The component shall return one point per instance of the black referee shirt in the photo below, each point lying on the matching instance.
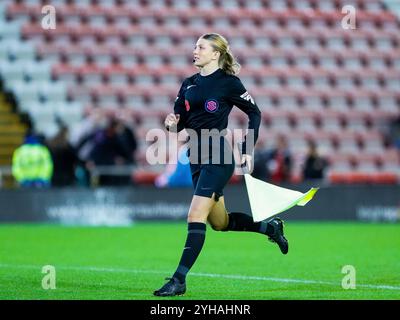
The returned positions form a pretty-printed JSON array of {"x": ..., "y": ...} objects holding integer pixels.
[{"x": 204, "y": 102}]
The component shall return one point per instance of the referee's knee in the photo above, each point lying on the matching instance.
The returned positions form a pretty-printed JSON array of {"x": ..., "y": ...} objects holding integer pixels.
[
  {"x": 197, "y": 216},
  {"x": 218, "y": 227}
]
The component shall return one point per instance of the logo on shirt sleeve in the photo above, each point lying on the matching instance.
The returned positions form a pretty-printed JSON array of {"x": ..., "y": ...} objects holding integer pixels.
[
  {"x": 187, "y": 105},
  {"x": 211, "y": 105},
  {"x": 246, "y": 96}
]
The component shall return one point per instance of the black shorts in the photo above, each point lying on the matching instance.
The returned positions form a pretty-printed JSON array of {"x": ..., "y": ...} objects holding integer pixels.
[{"x": 211, "y": 178}]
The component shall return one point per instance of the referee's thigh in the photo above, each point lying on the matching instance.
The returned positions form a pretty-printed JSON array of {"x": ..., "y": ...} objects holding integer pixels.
[
  {"x": 200, "y": 208},
  {"x": 218, "y": 217}
]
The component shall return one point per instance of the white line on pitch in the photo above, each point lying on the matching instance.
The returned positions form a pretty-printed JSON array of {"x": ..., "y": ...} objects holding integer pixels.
[{"x": 207, "y": 275}]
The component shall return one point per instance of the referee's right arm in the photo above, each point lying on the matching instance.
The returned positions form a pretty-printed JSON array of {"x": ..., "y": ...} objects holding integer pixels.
[{"x": 179, "y": 108}]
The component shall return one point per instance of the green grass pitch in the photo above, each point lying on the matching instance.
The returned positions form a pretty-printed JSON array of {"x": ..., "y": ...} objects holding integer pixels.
[{"x": 130, "y": 262}]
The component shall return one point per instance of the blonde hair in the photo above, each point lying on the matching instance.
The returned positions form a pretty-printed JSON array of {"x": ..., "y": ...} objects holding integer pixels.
[{"x": 227, "y": 61}]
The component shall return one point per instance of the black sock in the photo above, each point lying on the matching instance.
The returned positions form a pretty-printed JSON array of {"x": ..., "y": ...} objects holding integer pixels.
[
  {"x": 242, "y": 222},
  {"x": 194, "y": 243}
]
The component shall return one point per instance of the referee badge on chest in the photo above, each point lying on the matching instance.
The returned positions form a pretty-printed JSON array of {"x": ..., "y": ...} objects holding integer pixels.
[{"x": 211, "y": 105}]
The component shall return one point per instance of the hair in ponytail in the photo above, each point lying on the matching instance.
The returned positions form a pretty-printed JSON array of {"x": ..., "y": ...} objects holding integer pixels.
[{"x": 227, "y": 61}]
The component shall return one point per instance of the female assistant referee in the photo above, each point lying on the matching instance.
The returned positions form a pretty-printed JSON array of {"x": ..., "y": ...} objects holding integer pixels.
[{"x": 204, "y": 102}]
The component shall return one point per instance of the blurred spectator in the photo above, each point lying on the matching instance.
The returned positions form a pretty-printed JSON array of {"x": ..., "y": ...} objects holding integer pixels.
[
  {"x": 83, "y": 142},
  {"x": 109, "y": 150},
  {"x": 280, "y": 162},
  {"x": 64, "y": 159},
  {"x": 273, "y": 165},
  {"x": 32, "y": 165},
  {"x": 177, "y": 173},
  {"x": 315, "y": 165},
  {"x": 101, "y": 140},
  {"x": 261, "y": 156},
  {"x": 127, "y": 140},
  {"x": 81, "y": 135},
  {"x": 394, "y": 132}
]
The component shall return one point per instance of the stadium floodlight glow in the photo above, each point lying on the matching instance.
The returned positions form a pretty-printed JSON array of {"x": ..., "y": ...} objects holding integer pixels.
[{"x": 267, "y": 200}]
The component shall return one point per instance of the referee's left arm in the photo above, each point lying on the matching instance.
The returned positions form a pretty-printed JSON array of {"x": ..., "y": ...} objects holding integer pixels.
[{"x": 240, "y": 97}]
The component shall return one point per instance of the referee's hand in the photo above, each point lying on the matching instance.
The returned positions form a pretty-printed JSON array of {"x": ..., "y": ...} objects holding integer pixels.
[
  {"x": 171, "y": 121},
  {"x": 247, "y": 163}
]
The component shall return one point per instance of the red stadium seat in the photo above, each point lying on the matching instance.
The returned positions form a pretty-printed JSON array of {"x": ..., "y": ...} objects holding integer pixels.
[
  {"x": 312, "y": 79},
  {"x": 144, "y": 177}
]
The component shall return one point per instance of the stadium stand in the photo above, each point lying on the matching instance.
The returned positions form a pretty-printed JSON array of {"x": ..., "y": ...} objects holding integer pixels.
[
  {"x": 312, "y": 79},
  {"x": 12, "y": 128}
]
